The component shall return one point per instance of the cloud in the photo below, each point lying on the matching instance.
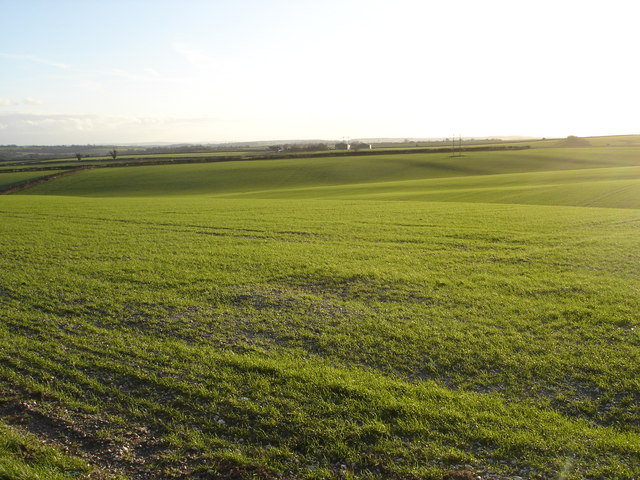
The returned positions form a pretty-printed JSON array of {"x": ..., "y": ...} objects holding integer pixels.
[
  {"x": 147, "y": 74},
  {"x": 134, "y": 76},
  {"x": 83, "y": 123},
  {"x": 152, "y": 72},
  {"x": 41, "y": 128},
  {"x": 93, "y": 86},
  {"x": 195, "y": 56},
  {"x": 36, "y": 59},
  {"x": 66, "y": 123},
  {"x": 5, "y": 102}
]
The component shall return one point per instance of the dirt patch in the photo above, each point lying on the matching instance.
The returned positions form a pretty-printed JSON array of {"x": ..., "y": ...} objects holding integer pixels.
[
  {"x": 126, "y": 451},
  {"x": 362, "y": 288}
]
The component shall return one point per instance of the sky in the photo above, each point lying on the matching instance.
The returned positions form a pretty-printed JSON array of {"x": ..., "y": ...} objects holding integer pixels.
[{"x": 113, "y": 71}]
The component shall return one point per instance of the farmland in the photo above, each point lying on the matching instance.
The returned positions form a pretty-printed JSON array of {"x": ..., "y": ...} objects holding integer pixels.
[
  {"x": 406, "y": 316},
  {"x": 10, "y": 179}
]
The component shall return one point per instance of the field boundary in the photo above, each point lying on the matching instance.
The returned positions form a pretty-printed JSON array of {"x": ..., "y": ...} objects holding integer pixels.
[
  {"x": 36, "y": 181},
  {"x": 38, "y": 169}
]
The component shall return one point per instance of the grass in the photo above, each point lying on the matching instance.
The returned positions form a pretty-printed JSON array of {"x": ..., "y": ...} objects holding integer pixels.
[
  {"x": 9, "y": 179},
  {"x": 22, "y": 457},
  {"x": 89, "y": 158},
  {"x": 98, "y": 160},
  {"x": 344, "y": 327},
  {"x": 602, "y": 187},
  {"x": 615, "y": 140},
  {"x": 600, "y": 141},
  {"x": 242, "y": 177}
]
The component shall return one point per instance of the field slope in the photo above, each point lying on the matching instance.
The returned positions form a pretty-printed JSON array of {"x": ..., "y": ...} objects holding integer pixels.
[
  {"x": 405, "y": 317},
  {"x": 8, "y": 180},
  {"x": 253, "y": 176}
]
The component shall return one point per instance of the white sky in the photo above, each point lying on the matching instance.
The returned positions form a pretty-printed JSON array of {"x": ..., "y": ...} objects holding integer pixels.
[{"x": 207, "y": 71}]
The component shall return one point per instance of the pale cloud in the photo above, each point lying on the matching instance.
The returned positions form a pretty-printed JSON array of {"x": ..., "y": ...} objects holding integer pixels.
[
  {"x": 152, "y": 72},
  {"x": 5, "y": 102},
  {"x": 21, "y": 128},
  {"x": 146, "y": 75},
  {"x": 117, "y": 72},
  {"x": 36, "y": 59},
  {"x": 66, "y": 123},
  {"x": 91, "y": 85},
  {"x": 195, "y": 56}
]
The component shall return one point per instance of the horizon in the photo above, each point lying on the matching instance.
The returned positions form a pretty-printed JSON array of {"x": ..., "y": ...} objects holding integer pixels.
[
  {"x": 211, "y": 72},
  {"x": 505, "y": 138}
]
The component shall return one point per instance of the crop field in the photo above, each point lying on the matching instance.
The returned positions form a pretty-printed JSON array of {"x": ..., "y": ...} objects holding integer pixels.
[
  {"x": 362, "y": 172},
  {"x": 9, "y": 179},
  {"x": 102, "y": 160},
  {"x": 615, "y": 140},
  {"x": 388, "y": 317}
]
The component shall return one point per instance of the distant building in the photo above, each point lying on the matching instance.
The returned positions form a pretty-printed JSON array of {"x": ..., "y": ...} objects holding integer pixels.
[
  {"x": 353, "y": 146},
  {"x": 360, "y": 146}
]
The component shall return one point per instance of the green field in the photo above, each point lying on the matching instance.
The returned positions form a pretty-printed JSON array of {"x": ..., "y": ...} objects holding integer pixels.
[
  {"x": 615, "y": 140},
  {"x": 387, "y": 317},
  {"x": 23, "y": 457},
  {"x": 98, "y": 160},
  {"x": 9, "y": 179},
  {"x": 365, "y": 172}
]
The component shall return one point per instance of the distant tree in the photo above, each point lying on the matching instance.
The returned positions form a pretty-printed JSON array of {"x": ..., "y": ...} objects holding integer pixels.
[
  {"x": 79, "y": 156},
  {"x": 113, "y": 153}
]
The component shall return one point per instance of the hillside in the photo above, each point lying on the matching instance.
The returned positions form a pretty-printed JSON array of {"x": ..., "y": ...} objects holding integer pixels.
[{"x": 252, "y": 176}]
